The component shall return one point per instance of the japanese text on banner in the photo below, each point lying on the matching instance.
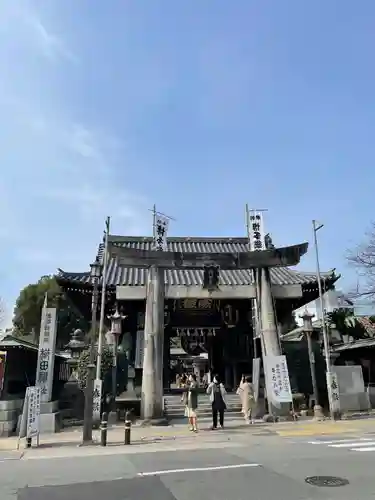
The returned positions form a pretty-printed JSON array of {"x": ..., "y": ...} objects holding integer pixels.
[
  {"x": 97, "y": 400},
  {"x": 256, "y": 231},
  {"x": 334, "y": 390},
  {"x": 277, "y": 378},
  {"x": 46, "y": 353},
  {"x": 33, "y": 398},
  {"x": 161, "y": 232}
]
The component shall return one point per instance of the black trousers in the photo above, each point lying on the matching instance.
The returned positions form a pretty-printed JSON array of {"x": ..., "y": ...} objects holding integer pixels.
[{"x": 215, "y": 411}]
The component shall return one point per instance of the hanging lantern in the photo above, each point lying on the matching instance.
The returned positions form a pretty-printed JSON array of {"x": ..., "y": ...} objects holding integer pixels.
[{"x": 230, "y": 316}]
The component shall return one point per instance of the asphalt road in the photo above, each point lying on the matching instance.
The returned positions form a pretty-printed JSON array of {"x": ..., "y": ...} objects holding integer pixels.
[{"x": 259, "y": 468}]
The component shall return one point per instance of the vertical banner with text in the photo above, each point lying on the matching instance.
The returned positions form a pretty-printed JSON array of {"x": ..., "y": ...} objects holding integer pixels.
[
  {"x": 256, "y": 231},
  {"x": 256, "y": 235},
  {"x": 161, "y": 224},
  {"x": 97, "y": 400},
  {"x": 277, "y": 379},
  {"x": 46, "y": 352},
  {"x": 139, "y": 349}
]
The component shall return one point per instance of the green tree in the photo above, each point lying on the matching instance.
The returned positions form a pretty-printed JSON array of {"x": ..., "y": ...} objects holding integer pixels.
[
  {"x": 84, "y": 359},
  {"x": 346, "y": 323},
  {"x": 28, "y": 309},
  {"x": 27, "y": 312}
]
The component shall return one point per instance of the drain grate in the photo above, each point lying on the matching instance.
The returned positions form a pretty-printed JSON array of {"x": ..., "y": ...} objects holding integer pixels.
[{"x": 327, "y": 481}]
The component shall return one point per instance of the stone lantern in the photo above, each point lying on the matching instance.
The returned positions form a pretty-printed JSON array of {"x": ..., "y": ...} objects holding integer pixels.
[
  {"x": 76, "y": 345},
  {"x": 115, "y": 332}
]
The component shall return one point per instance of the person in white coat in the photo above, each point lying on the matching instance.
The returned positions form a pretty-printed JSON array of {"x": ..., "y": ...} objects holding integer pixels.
[{"x": 240, "y": 392}]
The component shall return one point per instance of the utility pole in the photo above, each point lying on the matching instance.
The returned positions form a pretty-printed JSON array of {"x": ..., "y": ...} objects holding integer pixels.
[
  {"x": 96, "y": 269},
  {"x": 316, "y": 226},
  {"x": 102, "y": 305}
]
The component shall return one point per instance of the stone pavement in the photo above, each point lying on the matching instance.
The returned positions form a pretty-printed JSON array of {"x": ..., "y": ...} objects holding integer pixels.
[{"x": 69, "y": 441}]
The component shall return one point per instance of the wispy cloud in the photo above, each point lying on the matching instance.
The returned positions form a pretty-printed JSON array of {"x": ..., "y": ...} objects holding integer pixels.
[
  {"x": 51, "y": 45},
  {"x": 22, "y": 20},
  {"x": 60, "y": 176}
]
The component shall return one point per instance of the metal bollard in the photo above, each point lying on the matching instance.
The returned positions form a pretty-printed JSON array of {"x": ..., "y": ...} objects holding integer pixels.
[
  {"x": 128, "y": 426},
  {"x": 104, "y": 429}
]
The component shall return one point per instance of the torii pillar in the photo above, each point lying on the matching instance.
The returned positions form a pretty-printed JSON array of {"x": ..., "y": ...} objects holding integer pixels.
[
  {"x": 270, "y": 337},
  {"x": 152, "y": 377}
]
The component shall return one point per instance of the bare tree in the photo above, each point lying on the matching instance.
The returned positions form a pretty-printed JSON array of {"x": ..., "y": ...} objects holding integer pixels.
[{"x": 362, "y": 258}]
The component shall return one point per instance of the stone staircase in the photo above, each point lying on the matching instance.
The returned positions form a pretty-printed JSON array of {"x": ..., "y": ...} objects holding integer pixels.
[{"x": 174, "y": 409}]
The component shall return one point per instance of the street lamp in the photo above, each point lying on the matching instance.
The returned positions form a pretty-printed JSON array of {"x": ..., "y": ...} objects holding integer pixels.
[
  {"x": 308, "y": 330},
  {"x": 316, "y": 226},
  {"x": 95, "y": 274},
  {"x": 116, "y": 329}
]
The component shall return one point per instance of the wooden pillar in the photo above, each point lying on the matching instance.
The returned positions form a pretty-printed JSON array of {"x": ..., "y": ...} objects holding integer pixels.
[{"x": 152, "y": 376}]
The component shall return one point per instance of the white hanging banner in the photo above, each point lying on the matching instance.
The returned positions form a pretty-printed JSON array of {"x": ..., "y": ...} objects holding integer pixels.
[
  {"x": 277, "y": 379},
  {"x": 33, "y": 411},
  {"x": 256, "y": 231},
  {"x": 139, "y": 349},
  {"x": 30, "y": 417},
  {"x": 46, "y": 352},
  {"x": 333, "y": 391},
  {"x": 97, "y": 400},
  {"x": 161, "y": 224}
]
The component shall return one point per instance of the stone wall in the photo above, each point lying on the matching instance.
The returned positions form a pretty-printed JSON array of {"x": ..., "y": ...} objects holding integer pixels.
[
  {"x": 353, "y": 396},
  {"x": 9, "y": 413}
]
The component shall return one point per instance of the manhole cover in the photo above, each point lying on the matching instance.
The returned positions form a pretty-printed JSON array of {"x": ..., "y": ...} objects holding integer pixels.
[{"x": 329, "y": 481}]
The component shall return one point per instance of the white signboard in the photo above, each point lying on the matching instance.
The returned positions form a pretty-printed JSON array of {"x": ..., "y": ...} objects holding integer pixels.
[
  {"x": 46, "y": 353},
  {"x": 139, "y": 349},
  {"x": 256, "y": 377},
  {"x": 333, "y": 391},
  {"x": 256, "y": 231},
  {"x": 97, "y": 400},
  {"x": 277, "y": 379},
  {"x": 160, "y": 232},
  {"x": 32, "y": 400}
]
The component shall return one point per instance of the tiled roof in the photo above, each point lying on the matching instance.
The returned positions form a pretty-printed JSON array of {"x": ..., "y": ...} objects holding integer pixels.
[
  {"x": 367, "y": 324},
  {"x": 137, "y": 277},
  {"x": 355, "y": 344}
]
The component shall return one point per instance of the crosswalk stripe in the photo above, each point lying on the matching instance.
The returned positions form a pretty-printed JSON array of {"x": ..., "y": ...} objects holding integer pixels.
[
  {"x": 338, "y": 441},
  {"x": 361, "y": 444},
  {"x": 352, "y": 444}
]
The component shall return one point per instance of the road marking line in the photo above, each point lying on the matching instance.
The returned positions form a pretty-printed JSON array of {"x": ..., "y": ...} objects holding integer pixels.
[
  {"x": 372, "y": 448},
  {"x": 196, "y": 469},
  {"x": 339, "y": 441},
  {"x": 312, "y": 432},
  {"x": 352, "y": 444}
]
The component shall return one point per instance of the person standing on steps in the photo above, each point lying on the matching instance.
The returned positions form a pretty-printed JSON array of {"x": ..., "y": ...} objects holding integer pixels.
[
  {"x": 240, "y": 392},
  {"x": 248, "y": 402},
  {"x": 217, "y": 393},
  {"x": 191, "y": 402}
]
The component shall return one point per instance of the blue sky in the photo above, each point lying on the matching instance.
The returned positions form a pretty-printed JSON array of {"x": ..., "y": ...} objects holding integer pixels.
[{"x": 197, "y": 106}]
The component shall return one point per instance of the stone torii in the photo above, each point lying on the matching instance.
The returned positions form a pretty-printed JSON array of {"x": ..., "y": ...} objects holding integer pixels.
[{"x": 157, "y": 262}]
